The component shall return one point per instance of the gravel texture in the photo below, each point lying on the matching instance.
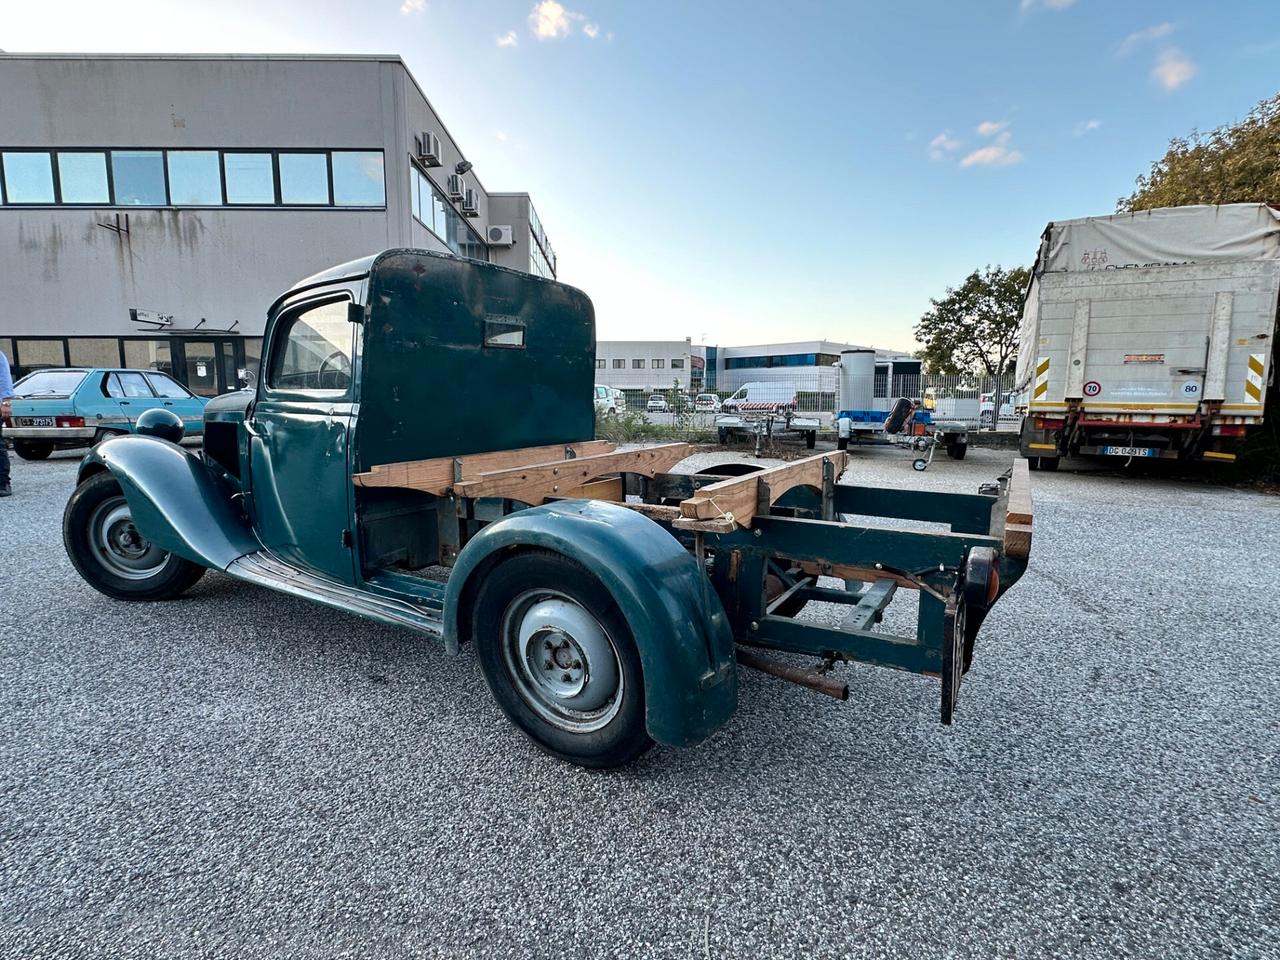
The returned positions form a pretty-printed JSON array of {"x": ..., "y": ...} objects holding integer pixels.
[{"x": 239, "y": 774}]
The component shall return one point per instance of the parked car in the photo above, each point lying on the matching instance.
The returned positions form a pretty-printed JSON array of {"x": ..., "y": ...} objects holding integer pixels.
[
  {"x": 657, "y": 404},
  {"x": 606, "y": 402},
  {"x": 60, "y": 408},
  {"x": 986, "y": 407},
  {"x": 619, "y": 400},
  {"x": 759, "y": 395},
  {"x": 706, "y": 403}
]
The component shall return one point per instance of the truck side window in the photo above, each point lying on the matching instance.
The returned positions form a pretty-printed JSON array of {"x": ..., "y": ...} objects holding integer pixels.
[{"x": 314, "y": 351}]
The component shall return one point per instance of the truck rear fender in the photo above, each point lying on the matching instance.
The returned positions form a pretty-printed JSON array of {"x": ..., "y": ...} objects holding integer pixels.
[
  {"x": 680, "y": 627},
  {"x": 176, "y": 501}
]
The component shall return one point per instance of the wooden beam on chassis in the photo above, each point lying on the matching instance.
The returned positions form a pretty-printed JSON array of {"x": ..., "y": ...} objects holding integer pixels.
[
  {"x": 532, "y": 484},
  {"x": 439, "y": 475},
  {"x": 734, "y": 502},
  {"x": 1019, "y": 514}
]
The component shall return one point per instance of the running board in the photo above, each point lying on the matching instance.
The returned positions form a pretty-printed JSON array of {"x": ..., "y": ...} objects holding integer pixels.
[{"x": 266, "y": 570}]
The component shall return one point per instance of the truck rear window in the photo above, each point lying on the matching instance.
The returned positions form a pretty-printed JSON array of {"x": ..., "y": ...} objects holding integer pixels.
[{"x": 503, "y": 331}]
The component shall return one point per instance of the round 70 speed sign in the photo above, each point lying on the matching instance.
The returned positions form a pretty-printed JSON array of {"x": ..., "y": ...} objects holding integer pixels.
[{"x": 1092, "y": 388}]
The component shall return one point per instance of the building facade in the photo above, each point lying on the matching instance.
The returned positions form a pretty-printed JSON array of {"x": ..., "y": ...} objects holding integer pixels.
[
  {"x": 152, "y": 207},
  {"x": 645, "y": 365}
]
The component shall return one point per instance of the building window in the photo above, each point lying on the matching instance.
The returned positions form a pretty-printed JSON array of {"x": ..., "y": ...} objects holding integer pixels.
[
  {"x": 449, "y": 227},
  {"x": 358, "y": 179},
  {"x": 619, "y": 364},
  {"x": 138, "y": 176},
  {"x": 659, "y": 364},
  {"x": 194, "y": 178},
  {"x": 82, "y": 178},
  {"x": 37, "y": 354},
  {"x": 304, "y": 179},
  {"x": 599, "y": 364},
  {"x": 250, "y": 178},
  {"x": 677, "y": 363},
  {"x": 148, "y": 355},
  {"x": 94, "y": 351},
  {"x": 28, "y": 177},
  {"x": 637, "y": 364}
]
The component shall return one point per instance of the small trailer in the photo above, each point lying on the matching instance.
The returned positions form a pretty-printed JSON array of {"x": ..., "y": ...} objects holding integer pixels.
[
  {"x": 1150, "y": 335},
  {"x": 610, "y": 599}
]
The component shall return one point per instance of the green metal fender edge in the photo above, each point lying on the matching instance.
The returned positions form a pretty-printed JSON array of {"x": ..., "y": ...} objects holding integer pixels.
[
  {"x": 176, "y": 501},
  {"x": 684, "y": 639}
]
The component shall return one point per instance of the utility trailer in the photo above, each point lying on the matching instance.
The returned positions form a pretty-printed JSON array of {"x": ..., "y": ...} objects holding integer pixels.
[
  {"x": 610, "y": 598},
  {"x": 1150, "y": 334}
]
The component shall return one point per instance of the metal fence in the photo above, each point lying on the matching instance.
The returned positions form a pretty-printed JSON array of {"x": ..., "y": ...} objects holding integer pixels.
[{"x": 671, "y": 412}]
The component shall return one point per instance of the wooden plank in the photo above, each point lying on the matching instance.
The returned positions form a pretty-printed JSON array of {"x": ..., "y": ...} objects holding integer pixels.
[
  {"x": 654, "y": 511},
  {"x": 845, "y": 572},
  {"x": 739, "y": 497},
  {"x": 608, "y": 489},
  {"x": 1017, "y": 541},
  {"x": 532, "y": 484},
  {"x": 437, "y": 476},
  {"x": 1019, "y": 503}
]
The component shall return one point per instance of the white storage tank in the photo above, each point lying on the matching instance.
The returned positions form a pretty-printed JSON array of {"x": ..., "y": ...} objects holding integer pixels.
[{"x": 857, "y": 379}]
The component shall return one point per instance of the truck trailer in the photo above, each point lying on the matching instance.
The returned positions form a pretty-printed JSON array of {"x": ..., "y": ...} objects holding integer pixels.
[{"x": 1150, "y": 334}]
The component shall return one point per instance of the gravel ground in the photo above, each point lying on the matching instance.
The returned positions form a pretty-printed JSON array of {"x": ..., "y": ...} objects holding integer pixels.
[{"x": 239, "y": 774}]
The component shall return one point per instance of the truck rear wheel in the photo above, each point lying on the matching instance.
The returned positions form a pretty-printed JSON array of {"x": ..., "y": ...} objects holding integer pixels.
[
  {"x": 108, "y": 552},
  {"x": 956, "y": 451},
  {"x": 560, "y": 660},
  {"x": 32, "y": 450}
]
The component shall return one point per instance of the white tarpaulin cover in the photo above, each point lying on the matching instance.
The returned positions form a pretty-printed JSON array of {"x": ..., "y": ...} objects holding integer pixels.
[{"x": 1198, "y": 234}]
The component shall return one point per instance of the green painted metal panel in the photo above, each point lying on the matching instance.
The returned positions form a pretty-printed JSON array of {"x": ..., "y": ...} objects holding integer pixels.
[
  {"x": 795, "y": 636},
  {"x": 441, "y": 372},
  {"x": 966, "y": 512}
]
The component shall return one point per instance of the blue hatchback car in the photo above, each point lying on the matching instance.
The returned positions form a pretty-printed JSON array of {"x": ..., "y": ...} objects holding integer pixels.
[{"x": 63, "y": 407}]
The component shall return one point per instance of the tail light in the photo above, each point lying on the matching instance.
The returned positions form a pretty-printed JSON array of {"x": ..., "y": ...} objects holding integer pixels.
[
  {"x": 1043, "y": 423},
  {"x": 1230, "y": 430},
  {"x": 69, "y": 421}
]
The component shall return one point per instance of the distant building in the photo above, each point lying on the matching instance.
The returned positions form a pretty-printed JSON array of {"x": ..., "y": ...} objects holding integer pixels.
[
  {"x": 195, "y": 189},
  {"x": 645, "y": 364}
]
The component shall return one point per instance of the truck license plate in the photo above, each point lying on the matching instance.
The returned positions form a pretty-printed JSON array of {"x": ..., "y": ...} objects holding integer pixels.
[
  {"x": 35, "y": 421},
  {"x": 1129, "y": 451}
]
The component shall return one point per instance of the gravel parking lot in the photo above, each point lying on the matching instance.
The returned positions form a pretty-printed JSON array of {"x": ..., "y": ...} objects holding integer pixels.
[{"x": 240, "y": 774}]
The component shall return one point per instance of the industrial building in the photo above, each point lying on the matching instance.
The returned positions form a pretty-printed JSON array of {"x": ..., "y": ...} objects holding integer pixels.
[
  {"x": 153, "y": 206},
  {"x": 646, "y": 365}
]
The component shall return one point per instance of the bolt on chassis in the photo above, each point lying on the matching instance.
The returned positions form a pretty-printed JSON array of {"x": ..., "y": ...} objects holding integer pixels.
[{"x": 610, "y": 601}]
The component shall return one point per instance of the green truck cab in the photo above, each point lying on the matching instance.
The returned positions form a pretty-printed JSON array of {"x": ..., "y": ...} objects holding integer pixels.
[{"x": 610, "y": 601}]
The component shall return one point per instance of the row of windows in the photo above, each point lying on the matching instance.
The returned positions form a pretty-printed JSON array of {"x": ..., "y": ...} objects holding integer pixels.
[
  {"x": 437, "y": 215},
  {"x": 544, "y": 257},
  {"x": 677, "y": 363},
  {"x": 193, "y": 178},
  {"x": 781, "y": 360},
  {"x": 538, "y": 262}
]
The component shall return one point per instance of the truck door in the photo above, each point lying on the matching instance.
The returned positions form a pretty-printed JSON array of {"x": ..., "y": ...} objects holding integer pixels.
[{"x": 300, "y": 427}]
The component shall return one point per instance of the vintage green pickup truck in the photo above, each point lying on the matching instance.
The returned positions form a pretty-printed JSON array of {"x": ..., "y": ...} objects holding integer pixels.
[{"x": 610, "y": 601}]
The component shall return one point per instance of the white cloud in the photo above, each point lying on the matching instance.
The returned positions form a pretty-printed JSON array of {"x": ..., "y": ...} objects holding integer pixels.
[
  {"x": 592, "y": 30},
  {"x": 550, "y": 20},
  {"x": 1046, "y": 4},
  {"x": 1172, "y": 69},
  {"x": 1139, "y": 37},
  {"x": 508, "y": 39},
  {"x": 1084, "y": 126},
  {"x": 412, "y": 6},
  {"x": 989, "y": 128},
  {"x": 941, "y": 145},
  {"x": 1000, "y": 153},
  {"x": 501, "y": 136}
]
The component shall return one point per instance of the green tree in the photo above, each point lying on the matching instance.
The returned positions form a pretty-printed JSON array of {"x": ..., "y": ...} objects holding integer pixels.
[
  {"x": 1236, "y": 163},
  {"x": 974, "y": 327}
]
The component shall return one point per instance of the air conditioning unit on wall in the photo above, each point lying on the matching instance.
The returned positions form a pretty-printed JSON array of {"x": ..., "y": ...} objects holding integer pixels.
[
  {"x": 429, "y": 150},
  {"x": 501, "y": 236},
  {"x": 471, "y": 203},
  {"x": 455, "y": 186}
]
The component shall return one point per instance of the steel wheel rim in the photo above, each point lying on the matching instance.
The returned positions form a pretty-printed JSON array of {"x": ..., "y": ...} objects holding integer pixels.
[
  {"x": 562, "y": 661},
  {"x": 118, "y": 546}
]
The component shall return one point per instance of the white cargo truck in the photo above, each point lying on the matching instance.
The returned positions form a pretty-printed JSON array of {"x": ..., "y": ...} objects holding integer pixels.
[{"x": 1150, "y": 335}]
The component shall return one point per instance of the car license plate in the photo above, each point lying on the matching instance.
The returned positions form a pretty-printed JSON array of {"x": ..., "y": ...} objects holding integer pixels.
[
  {"x": 1129, "y": 451},
  {"x": 35, "y": 421}
]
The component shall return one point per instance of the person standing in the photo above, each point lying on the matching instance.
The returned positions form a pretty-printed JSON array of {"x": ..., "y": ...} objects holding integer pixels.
[{"x": 6, "y": 391}]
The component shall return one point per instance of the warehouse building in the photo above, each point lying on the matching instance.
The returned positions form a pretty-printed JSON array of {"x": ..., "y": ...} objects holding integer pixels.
[
  {"x": 645, "y": 365},
  {"x": 152, "y": 207}
]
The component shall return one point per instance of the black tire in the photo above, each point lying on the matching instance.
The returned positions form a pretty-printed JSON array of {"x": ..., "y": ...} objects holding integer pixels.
[
  {"x": 106, "y": 435},
  {"x": 810, "y": 438},
  {"x": 842, "y": 443},
  {"x": 956, "y": 451},
  {"x": 32, "y": 450},
  {"x": 1049, "y": 463},
  {"x": 722, "y": 435},
  {"x": 96, "y": 513},
  {"x": 1033, "y": 463},
  {"x": 529, "y": 580}
]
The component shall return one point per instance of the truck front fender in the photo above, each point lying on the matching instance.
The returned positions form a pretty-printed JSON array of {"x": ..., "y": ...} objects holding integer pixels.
[
  {"x": 680, "y": 628},
  {"x": 176, "y": 501}
]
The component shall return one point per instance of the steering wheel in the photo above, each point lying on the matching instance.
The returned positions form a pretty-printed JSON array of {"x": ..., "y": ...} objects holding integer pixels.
[{"x": 331, "y": 375}]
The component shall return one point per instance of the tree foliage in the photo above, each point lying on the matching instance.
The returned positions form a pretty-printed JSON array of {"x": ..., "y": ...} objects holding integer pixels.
[
  {"x": 1236, "y": 163},
  {"x": 974, "y": 327}
]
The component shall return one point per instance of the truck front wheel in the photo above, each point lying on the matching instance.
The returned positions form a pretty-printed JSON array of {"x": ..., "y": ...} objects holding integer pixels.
[
  {"x": 560, "y": 660},
  {"x": 108, "y": 552}
]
